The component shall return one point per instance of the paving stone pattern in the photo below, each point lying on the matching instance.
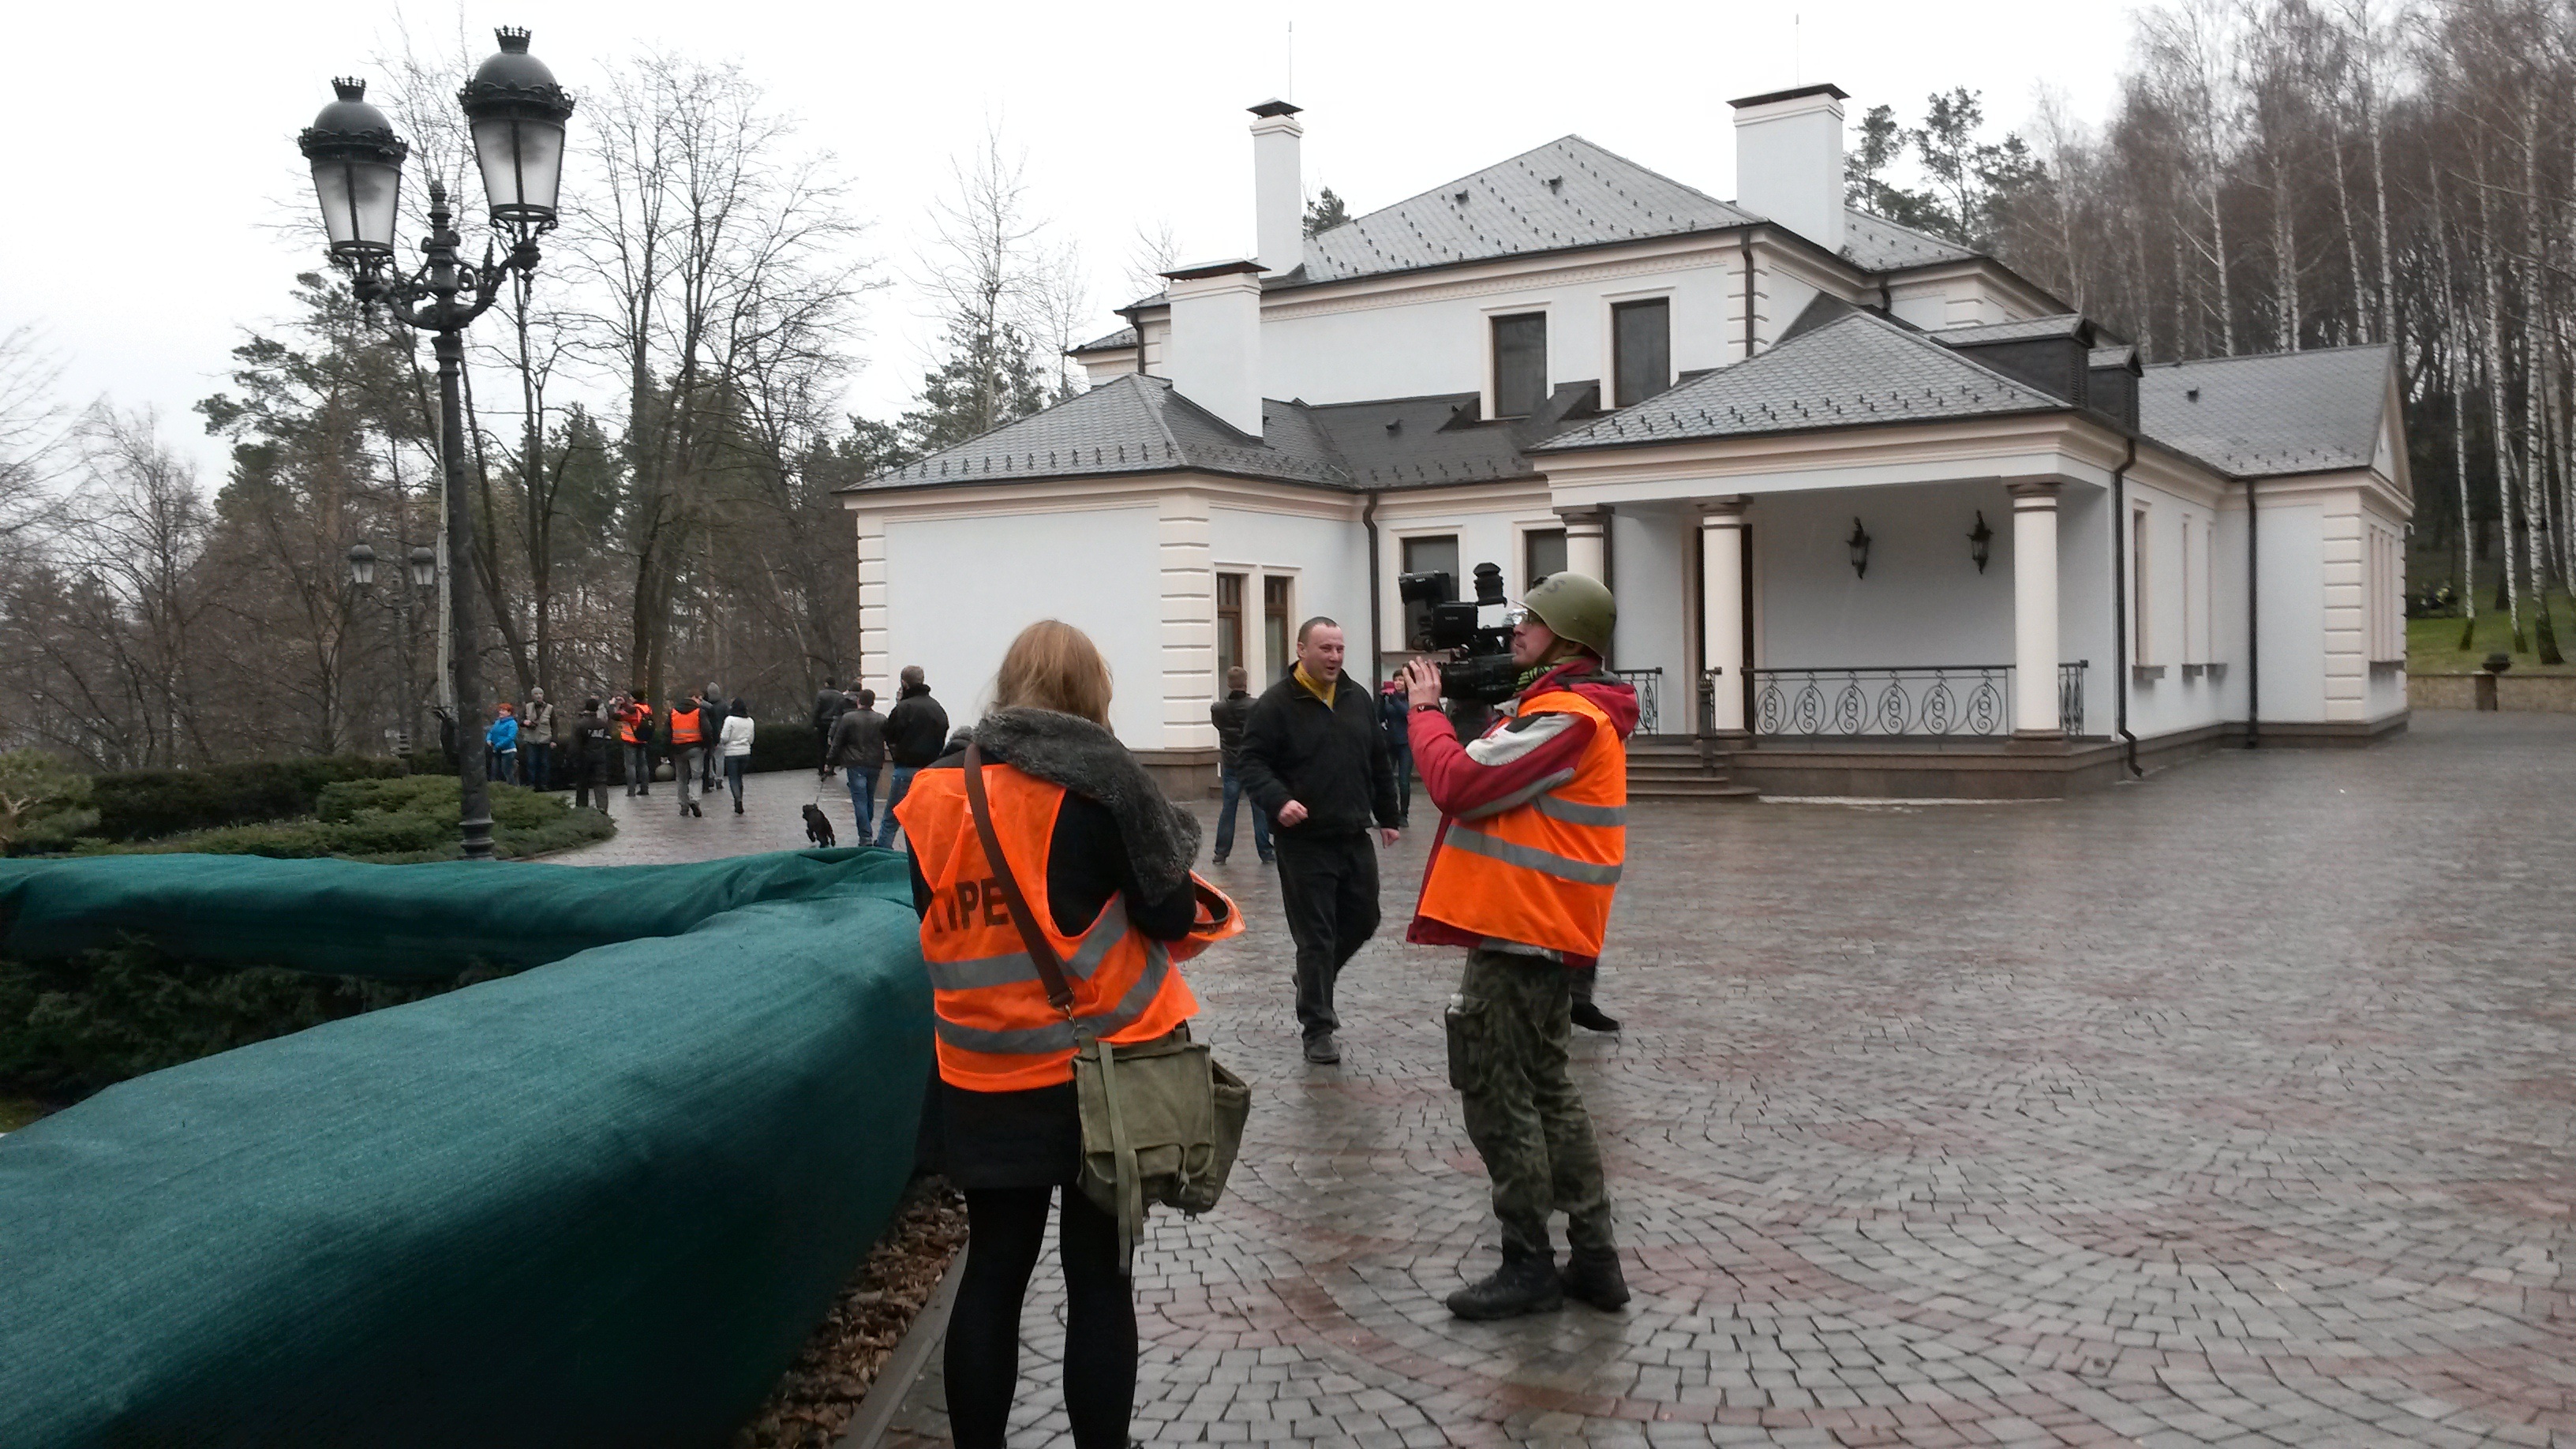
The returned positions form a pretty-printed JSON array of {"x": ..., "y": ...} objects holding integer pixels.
[{"x": 2231, "y": 1107}]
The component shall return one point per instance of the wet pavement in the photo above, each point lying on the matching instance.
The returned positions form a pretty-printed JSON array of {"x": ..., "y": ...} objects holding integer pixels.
[{"x": 2230, "y": 1107}]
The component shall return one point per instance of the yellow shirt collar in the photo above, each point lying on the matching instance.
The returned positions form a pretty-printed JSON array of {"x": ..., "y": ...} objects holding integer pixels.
[{"x": 1307, "y": 682}]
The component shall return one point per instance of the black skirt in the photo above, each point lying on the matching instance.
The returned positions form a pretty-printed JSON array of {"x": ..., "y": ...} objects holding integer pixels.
[{"x": 1030, "y": 1138}]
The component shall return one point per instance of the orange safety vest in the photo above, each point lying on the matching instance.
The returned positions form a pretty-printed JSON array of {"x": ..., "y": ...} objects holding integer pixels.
[
  {"x": 684, "y": 727},
  {"x": 996, "y": 1030},
  {"x": 633, "y": 718},
  {"x": 1543, "y": 872}
]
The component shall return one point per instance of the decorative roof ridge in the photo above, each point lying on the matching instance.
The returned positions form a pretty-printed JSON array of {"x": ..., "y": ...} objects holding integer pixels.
[{"x": 2276, "y": 356}]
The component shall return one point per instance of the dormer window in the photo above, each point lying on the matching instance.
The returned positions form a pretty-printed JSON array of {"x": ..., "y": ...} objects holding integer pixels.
[
  {"x": 1641, "y": 350},
  {"x": 1520, "y": 364}
]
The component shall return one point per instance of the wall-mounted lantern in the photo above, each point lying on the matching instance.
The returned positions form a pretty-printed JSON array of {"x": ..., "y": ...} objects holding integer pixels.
[
  {"x": 1859, "y": 543},
  {"x": 1981, "y": 542}
]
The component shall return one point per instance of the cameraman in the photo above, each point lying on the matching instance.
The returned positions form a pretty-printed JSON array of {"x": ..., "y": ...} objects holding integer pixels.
[{"x": 1522, "y": 874}]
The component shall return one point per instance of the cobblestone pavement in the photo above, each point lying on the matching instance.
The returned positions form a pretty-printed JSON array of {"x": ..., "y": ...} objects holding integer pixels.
[
  {"x": 2230, "y": 1107},
  {"x": 650, "y": 828}
]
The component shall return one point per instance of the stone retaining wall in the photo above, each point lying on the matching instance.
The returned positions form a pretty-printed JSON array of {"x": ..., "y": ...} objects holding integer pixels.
[{"x": 2546, "y": 693}]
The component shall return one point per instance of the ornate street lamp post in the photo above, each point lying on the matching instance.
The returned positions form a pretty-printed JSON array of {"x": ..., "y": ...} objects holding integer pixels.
[{"x": 517, "y": 113}]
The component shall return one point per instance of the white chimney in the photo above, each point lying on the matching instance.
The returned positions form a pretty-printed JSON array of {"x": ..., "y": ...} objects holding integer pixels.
[
  {"x": 1214, "y": 354},
  {"x": 1278, "y": 187},
  {"x": 1789, "y": 160}
]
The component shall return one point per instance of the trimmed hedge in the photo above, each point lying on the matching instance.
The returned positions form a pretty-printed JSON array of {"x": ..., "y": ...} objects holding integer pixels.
[
  {"x": 73, "y": 1027},
  {"x": 145, "y": 804},
  {"x": 393, "y": 821}
]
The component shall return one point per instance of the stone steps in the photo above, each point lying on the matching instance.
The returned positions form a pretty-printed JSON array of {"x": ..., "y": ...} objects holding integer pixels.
[{"x": 1674, "y": 768}]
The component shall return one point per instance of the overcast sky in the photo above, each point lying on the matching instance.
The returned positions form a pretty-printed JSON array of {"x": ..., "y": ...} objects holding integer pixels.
[{"x": 155, "y": 153}]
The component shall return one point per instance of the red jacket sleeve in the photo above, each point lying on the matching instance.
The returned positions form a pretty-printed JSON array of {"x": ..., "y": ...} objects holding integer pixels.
[{"x": 1461, "y": 785}]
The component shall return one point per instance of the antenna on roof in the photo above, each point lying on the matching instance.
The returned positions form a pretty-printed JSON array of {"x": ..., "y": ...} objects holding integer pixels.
[
  {"x": 1797, "y": 61},
  {"x": 1292, "y": 60}
]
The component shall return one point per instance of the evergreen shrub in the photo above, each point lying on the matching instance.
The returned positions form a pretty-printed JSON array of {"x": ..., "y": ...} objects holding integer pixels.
[
  {"x": 76, "y": 1026},
  {"x": 146, "y": 804}
]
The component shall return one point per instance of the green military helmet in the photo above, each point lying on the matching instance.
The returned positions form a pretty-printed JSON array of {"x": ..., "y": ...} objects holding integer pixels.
[{"x": 1576, "y": 607}]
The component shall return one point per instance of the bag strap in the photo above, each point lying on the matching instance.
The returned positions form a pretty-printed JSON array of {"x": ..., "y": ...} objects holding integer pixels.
[{"x": 1041, "y": 951}]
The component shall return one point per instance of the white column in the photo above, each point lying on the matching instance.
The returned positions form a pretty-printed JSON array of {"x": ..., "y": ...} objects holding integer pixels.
[
  {"x": 875, "y": 671},
  {"x": 2035, "y": 611},
  {"x": 1586, "y": 551},
  {"x": 1721, "y": 541},
  {"x": 1189, "y": 683}
]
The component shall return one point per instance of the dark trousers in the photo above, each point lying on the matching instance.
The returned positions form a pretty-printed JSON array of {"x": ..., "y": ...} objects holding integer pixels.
[
  {"x": 639, "y": 769},
  {"x": 1329, "y": 888},
  {"x": 714, "y": 766},
  {"x": 540, "y": 761},
  {"x": 863, "y": 800},
  {"x": 887, "y": 825},
  {"x": 733, "y": 776},
  {"x": 1509, "y": 1038},
  {"x": 589, "y": 774},
  {"x": 823, "y": 746},
  {"x": 1005, "y": 1227},
  {"x": 1225, "y": 818},
  {"x": 1404, "y": 784}
]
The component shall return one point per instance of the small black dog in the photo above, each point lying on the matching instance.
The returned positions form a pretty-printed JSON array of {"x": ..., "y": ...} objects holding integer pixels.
[{"x": 818, "y": 827}]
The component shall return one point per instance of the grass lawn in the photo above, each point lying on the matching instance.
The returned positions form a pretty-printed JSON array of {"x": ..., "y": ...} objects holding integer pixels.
[{"x": 2432, "y": 645}]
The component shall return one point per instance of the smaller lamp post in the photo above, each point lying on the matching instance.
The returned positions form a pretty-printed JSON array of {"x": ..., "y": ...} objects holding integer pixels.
[
  {"x": 1981, "y": 542},
  {"x": 424, "y": 566},
  {"x": 362, "y": 565},
  {"x": 1859, "y": 546}
]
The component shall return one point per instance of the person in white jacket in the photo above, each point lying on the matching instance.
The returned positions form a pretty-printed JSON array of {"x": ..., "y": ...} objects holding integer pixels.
[{"x": 735, "y": 745}]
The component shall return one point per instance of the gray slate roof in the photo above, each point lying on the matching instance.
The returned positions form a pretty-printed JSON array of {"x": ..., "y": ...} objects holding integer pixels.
[
  {"x": 2063, "y": 325},
  {"x": 1139, "y": 424},
  {"x": 1131, "y": 424},
  {"x": 1122, "y": 338},
  {"x": 1881, "y": 245},
  {"x": 1566, "y": 193},
  {"x": 2285, "y": 412},
  {"x": 1858, "y": 368}
]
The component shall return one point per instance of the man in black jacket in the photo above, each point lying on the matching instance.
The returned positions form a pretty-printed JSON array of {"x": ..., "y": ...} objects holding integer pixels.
[
  {"x": 1315, "y": 761},
  {"x": 859, "y": 752},
  {"x": 829, "y": 705},
  {"x": 916, "y": 733},
  {"x": 1229, "y": 715}
]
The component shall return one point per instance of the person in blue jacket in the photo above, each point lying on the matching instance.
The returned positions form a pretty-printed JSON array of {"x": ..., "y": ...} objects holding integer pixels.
[{"x": 501, "y": 746}]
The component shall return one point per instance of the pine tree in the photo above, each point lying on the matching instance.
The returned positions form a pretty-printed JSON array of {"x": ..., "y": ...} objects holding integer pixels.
[{"x": 1325, "y": 212}]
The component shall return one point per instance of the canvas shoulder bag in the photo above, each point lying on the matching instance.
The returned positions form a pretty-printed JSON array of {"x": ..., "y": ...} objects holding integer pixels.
[{"x": 1161, "y": 1119}]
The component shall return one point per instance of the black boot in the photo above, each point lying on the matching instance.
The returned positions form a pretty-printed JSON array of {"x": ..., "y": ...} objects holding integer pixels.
[
  {"x": 1522, "y": 1285},
  {"x": 1591, "y": 1018},
  {"x": 1595, "y": 1278}
]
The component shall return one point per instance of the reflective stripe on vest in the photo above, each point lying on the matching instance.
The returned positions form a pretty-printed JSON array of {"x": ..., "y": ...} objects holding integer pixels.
[
  {"x": 1530, "y": 857},
  {"x": 996, "y": 1031},
  {"x": 1542, "y": 871},
  {"x": 684, "y": 727}
]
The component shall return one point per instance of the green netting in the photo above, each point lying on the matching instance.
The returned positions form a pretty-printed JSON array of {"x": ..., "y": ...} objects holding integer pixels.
[
  {"x": 597, "y": 1203},
  {"x": 411, "y": 922}
]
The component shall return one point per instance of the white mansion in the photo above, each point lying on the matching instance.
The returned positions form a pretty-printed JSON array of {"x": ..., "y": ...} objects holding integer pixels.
[{"x": 1883, "y": 516}]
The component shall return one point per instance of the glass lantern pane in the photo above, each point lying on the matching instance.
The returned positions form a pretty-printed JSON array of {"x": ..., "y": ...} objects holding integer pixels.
[
  {"x": 522, "y": 164},
  {"x": 375, "y": 191},
  {"x": 331, "y": 189}
]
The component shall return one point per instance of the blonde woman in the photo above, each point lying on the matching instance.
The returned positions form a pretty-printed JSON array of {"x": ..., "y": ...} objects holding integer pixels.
[{"x": 1101, "y": 859}]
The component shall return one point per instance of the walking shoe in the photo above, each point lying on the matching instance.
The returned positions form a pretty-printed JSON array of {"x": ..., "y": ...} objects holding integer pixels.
[
  {"x": 1322, "y": 1051},
  {"x": 1591, "y": 1018},
  {"x": 1269, "y": 860},
  {"x": 1521, "y": 1285},
  {"x": 1594, "y": 1278},
  {"x": 1216, "y": 860},
  {"x": 737, "y": 807}
]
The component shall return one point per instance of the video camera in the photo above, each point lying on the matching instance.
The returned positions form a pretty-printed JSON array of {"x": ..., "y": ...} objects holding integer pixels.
[{"x": 1436, "y": 621}]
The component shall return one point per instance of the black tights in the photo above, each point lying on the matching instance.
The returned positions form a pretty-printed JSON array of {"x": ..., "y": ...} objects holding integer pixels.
[{"x": 1005, "y": 1229}]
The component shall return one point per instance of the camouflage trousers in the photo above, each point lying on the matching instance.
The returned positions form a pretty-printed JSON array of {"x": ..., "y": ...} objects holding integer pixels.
[{"x": 1508, "y": 1034}]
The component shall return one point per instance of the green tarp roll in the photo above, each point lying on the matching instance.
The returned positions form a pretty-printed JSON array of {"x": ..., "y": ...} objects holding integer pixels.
[
  {"x": 412, "y": 922},
  {"x": 597, "y": 1203}
]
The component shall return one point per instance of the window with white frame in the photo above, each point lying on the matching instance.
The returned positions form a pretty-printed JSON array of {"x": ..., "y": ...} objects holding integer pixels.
[
  {"x": 1542, "y": 554},
  {"x": 2139, "y": 594},
  {"x": 1432, "y": 554},
  {"x": 1520, "y": 364},
  {"x": 1641, "y": 350}
]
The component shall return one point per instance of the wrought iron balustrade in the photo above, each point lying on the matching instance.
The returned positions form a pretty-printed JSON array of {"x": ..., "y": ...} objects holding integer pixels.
[
  {"x": 1914, "y": 699},
  {"x": 1649, "y": 684}
]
